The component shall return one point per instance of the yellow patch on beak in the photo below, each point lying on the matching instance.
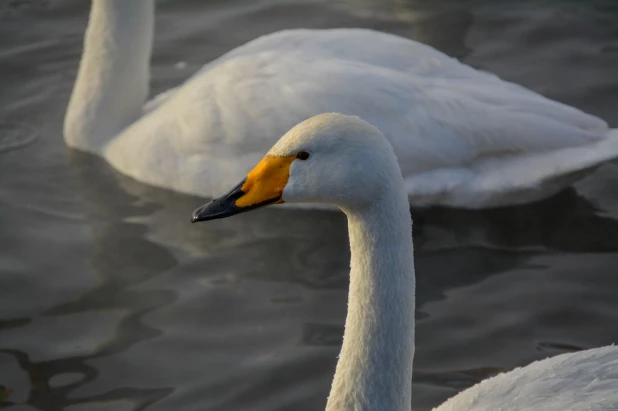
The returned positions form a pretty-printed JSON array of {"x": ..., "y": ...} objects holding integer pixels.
[
  {"x": 263, "y": 186},
  {"x": 266, "y": 181}
]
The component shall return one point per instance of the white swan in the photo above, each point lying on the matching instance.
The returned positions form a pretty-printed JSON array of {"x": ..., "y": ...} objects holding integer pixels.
[
  {"x": 463, "y": 137},
  {"x": 346, "y": 162}
]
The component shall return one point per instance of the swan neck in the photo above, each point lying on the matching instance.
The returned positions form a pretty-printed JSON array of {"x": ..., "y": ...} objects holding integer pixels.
[
  {"x": 374, "y": 371},
  {"x": 112, "y": 82}
]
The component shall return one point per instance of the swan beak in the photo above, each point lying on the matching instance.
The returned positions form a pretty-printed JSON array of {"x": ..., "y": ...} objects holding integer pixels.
[{"x": 263, "y": 186}]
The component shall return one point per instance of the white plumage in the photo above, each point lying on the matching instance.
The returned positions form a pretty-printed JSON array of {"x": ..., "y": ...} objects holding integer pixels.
[
  {"x": 583, "y": 381},
  {"x": 352, "y": 166},
  {"x": 463, "y": 137}
]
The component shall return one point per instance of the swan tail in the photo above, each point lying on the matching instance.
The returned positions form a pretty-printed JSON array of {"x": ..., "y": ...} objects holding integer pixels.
[{"x": 510, "y": 179}]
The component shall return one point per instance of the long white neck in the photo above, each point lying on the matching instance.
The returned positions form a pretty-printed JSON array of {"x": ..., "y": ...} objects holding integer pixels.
[
  {"x": 113, "y": 77},
  {"x": 374, "y": 371}
]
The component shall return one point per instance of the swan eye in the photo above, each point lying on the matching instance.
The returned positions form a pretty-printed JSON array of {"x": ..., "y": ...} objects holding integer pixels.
[{"x": 302, "y": 155}]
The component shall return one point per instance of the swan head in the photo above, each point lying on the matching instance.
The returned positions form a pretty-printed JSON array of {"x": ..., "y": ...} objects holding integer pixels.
[{"x": 328, "y": 159}]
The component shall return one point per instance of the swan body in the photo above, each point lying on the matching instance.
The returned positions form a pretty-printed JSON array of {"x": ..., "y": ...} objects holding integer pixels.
[
  {"x": 463, "y": 137},
  {"x": 346, "y": 162}
]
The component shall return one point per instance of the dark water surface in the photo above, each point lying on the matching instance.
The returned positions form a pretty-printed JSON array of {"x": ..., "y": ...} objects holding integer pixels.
[{"x": 111, "y": 300}]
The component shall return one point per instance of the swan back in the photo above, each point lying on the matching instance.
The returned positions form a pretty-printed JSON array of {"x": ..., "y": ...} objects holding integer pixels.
[{"x": 582, "y": 381}]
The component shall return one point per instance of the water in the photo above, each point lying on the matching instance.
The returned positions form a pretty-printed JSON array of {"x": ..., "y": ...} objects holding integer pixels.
[{"x": 111, "y": 300}]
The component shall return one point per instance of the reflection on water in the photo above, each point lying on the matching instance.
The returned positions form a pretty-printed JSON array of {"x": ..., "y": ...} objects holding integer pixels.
[{"x": 111, "y": 300}]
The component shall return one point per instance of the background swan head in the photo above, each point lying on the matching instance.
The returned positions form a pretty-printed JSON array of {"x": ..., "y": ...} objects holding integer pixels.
[{"x": 330, "y": 158}]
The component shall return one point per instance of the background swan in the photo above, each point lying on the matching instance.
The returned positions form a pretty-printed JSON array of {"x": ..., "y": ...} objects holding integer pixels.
[
  {"x": 463, "y": 137},
  {"x": 346, "y": 162}
]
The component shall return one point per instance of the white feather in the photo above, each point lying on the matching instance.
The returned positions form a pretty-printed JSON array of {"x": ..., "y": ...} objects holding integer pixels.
[
  {"x": 582, "y": 381},
  {"x": 463, "y": 137}
]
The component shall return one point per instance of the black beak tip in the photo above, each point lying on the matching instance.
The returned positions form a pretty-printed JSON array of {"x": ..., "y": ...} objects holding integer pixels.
[
  {"x": 225, "y": 206},
  {"x": 219, "y": 208},
  {"x": 196, "y": 215},
  {"x": 206, "y": 212}
]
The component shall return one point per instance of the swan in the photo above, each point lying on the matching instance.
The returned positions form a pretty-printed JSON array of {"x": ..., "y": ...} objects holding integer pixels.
[
  {"x": 346, "y": 162},
  {"x": 463, "y": 137}
]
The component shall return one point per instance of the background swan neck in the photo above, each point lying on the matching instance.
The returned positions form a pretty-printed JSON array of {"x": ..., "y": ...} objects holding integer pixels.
[
  {"x": 113, "y": 76},
  {"x": 374, "y": 371}
]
